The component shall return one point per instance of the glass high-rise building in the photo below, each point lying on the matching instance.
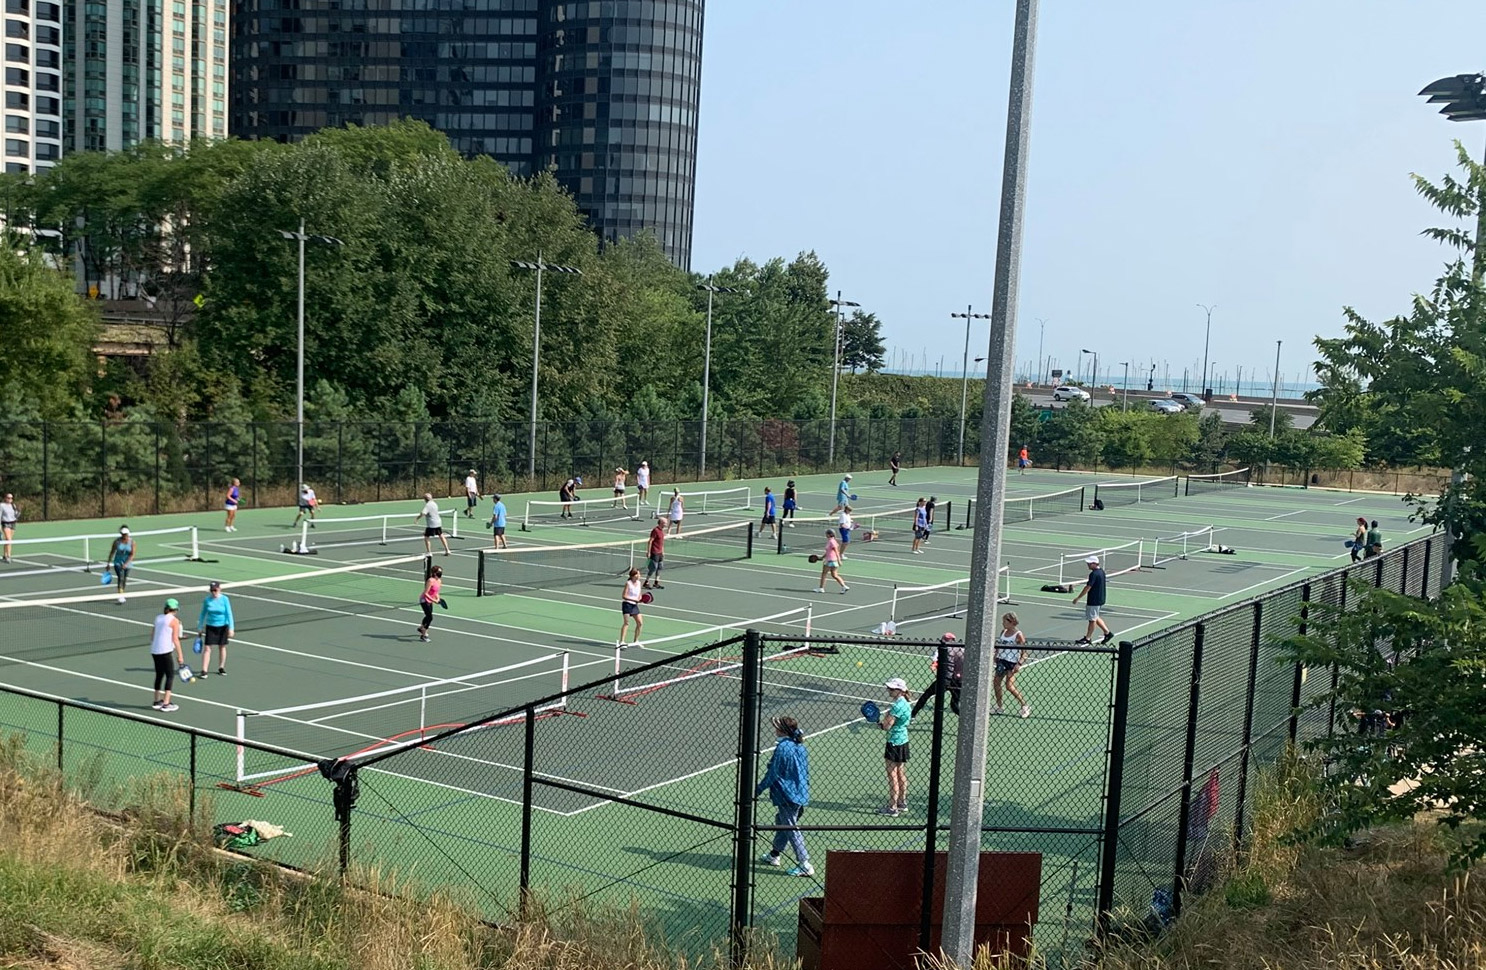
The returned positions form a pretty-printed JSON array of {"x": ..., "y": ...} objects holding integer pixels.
[{"x": 602, "y": 92}]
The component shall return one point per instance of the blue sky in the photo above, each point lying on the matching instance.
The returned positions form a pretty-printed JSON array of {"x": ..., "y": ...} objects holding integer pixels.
[{"x": 1254, "y": 155}]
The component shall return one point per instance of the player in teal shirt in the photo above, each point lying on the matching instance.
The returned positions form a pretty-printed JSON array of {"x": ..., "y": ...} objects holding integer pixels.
[
  {"x": 498, "y": 523},
  {"x": 843, "y": 494},
  {"x": 216, "y": 628},
  {"x": 895, "y": 722}
]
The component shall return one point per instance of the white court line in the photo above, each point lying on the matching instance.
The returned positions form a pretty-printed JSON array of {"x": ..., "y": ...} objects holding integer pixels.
[
  {"x": 1360, "y": 498},
  {"x": 1286, "y": 515}
]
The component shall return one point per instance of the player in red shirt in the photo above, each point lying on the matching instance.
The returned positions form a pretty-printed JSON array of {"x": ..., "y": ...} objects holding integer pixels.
[{"x": 657, "y": 554}]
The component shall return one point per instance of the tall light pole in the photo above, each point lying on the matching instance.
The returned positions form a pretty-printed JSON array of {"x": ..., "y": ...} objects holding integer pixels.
[
  {"x": 707, "y": 367},
  {"x": 536, "y": 349},
  {"x": 1206, "y": 343},
  {"x": 1125, "y": 390},
  {"x": 1041, "y": 328},
  {"x": 1274, "y": 391},
  {"x": 301, "y": 237},
  {"x": 839, "y": 304},
  {"x": 967, "y": 316},
  {"x": 967, "y": 800},
  {"x": 1093, "y": 378}
]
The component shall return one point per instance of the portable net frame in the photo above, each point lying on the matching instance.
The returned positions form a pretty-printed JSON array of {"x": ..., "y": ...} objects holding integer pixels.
[
  {"x": 1198, "y": 484},
  {"x": 369, "y": 530},
  {"x": 916, "y": 604},
  {"x": 1182, "y": 546},
  {"x": 1129, "y": 493},
  {"x": 894, "y": 526},
  {"x": 708, "y": 502},
  {"x": 89, "y": 553},
  {"x": 1066, "y": 502},
  {"x": 1116, "y": 560},
  {"x": 581, "y": 511}
]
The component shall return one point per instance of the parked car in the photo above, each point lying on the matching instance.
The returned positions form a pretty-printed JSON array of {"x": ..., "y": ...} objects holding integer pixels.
[
  {"x": 1165, "y": 405},
  {"x": 1190, "y": 402},
  {"x": 1067, "y": 392}
]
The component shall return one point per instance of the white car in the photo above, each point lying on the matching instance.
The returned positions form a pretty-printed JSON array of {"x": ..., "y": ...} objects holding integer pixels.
[
  {"x": 1165, "y": 405},
  {"x": 1067, "y": 392}
]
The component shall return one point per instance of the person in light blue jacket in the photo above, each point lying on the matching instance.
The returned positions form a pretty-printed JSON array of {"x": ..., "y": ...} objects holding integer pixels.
[
  {"x": 215, "y": 627},
  {"x": 788, "y": 783}
]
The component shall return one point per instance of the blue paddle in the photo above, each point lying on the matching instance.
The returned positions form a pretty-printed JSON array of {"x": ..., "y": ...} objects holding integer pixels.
[{"x": 870, "y": 712}]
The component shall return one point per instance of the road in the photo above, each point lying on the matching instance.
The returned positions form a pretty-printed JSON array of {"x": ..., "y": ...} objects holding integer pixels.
[{"x": 1232, "y": 413}]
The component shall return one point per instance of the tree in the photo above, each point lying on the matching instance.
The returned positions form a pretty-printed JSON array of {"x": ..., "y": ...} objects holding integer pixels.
[
  {"x": 1259, "y": 418},
  {"x": 1125, "y": 436},
  {"x": 1211, "y": 443},
  {"x": 1072, "y": 436},
  {"x": 861, "y": 342},
  {"x": 48, "y": 333}
]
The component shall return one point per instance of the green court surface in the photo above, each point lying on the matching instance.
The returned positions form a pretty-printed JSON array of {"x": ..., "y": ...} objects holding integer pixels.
[{"x": 345, "y": 646}]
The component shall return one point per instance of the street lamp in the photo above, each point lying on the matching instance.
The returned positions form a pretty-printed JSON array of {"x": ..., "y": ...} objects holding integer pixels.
[
  {"x": 1125, "y": 389},
  {"x": 536, "y": 349},
  {"x": 1094, "y": 377},
  {"x": 967, "y": 316},
  {"x": 301, "y": 237},
  {"x": 1206, "y": 342},
  {"x": 707, "y": 367},
  {"x": 1041, "y": 326},
  {"x": 839, "y": 304}
]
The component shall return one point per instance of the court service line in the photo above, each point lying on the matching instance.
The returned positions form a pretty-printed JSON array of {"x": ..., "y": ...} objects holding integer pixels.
[{"x": 1286, "y": 515}]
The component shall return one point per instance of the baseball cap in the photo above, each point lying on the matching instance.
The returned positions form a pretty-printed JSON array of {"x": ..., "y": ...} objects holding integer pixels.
[
  {"x": 1092, "y": 560},
  {"x": 214, "y": 585},
  {"x": 949, "y": 636},
  {"x": 123, "y": 530},
  {"x": 848, "y": 476},
  {"x": 897, "y": 683},
  {"x": 172, "y": 604}
]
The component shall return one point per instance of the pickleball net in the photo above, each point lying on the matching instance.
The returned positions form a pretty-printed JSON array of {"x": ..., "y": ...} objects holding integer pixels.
[
  {"x": 916, "y": 604},
  {"x": 1129, "y": 493},
  {"x": 50, "y": 629},
  {"x": 1199, "y": 484},
  {"x": 636, "y": 676},
  {"x": 1065, "y": 502},
  {"x": 552, "y": 567},
  {"x": 89, "y": 553},
  {"x": 392, "y": 720},
  {"x": 369, "y": 530},
  {"x": 1115, "y": 560},
  {"x": 707, "y": 501},
  {"x": 1182, "y": 546},
  {"x": 583, "y": 511},
  {"x": 894, "y": 526}
]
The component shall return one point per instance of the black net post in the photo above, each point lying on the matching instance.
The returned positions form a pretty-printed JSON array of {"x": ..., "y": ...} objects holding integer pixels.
[
  {"x": 1189, "y": 757},
  {"x": 1109, "y": 841},
  {"x": 931, "y": 824},
  {"x": 191, "y": 777},
  {"x": 1248, "y": 726},
  {"x": 342, "y": 774},
  {"x": 527, "y": 762},
  {"x": 1299, "y": 682},
  {"x": 749, "y": 698},
  {"x": 1424, "y": 577}
]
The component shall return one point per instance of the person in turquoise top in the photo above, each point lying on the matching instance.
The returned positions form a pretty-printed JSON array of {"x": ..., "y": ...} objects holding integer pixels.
[
  {"x": 498, "y": 523},
  {"x": 120, "y": 557},
  {"x": 843, "y": 494},
  {"x": 216, "y": 627},
  {"x": 895, "y": 722}
]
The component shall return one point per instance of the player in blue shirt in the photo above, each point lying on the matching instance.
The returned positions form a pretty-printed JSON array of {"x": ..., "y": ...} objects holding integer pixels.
[
  {"x": 843, "y": 494},
  {"x": 920, "y": 527},
  {"x": 498, "y": 523},
  {"x": 230, "y": 504},
  {"x": 771, "y": 514}
]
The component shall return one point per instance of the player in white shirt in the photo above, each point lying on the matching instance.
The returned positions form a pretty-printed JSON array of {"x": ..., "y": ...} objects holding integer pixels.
[
  {"x": 433, "y": 524},
  {"x": 620, "y": 474},
  {"x": 642, "y": 480},
  {"x": 471, "y": 494},
  {"x": 307, "y": 504},
  {"x": 844, "y": 526}
]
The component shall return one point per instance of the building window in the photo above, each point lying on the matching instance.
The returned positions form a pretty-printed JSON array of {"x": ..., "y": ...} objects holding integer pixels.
[
  {"x": 18, "y": 124},
  {"x": 17, "y": 148}
]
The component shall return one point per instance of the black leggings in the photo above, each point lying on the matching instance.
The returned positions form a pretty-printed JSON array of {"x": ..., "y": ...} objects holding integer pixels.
[
  {"x": 952, "y": 688},
  {"x": 164, "y": 671},
  {"x": 427, "y": 614}
]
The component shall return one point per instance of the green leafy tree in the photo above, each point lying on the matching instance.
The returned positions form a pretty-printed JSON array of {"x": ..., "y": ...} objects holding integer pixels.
[
  {"x": 1026, "y": 425},
  {"x": 1125, "y": 436},
  {"x": 861, "y": 343},
  {"x": 1072, "y": 436},
  {"x": 1172, "y": 437},
  {"x": 1259, "y": 418},
  {"x": 48, "y": 334},
  {"x": 1211, "y": 444}
]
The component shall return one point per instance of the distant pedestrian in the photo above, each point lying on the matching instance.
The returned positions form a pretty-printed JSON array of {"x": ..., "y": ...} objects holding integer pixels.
[
  {"x": 430, "y": 598},
  {"x": 655, "y": 555},
  {"x": 1359, "y": 539},
  {"x": 165, "y": 653},
  {"x": 308, "y": 505},
  {"x": 471, "y": 494},
  {"x": 895, "y": 464},
  {"x": 433, "y": 524},
  {"x": 677, "y": 511},
  {"x": 920, "y": 527},
  {"x": 1095, "y": 588},
  {"x": 1374, "y": 541},
  {"x": 830, "y": 563},
  {"x": 642, "y": 480},
  {"x": 1011, "y": 653},
  {"x": 10, "y": 515},
  {"x": 787, "y": 781},
  {"x": 895, "y": 722},
  {"x": 498, "y": 523},
  {"x": 120, "y": 559},
  {"x": 1023, "y": 460},
  {"x": 843, "y": 494},
  {"x": 567, "y": 493},
  {"x": 216, "y": 628},
  {"x": 954, "y": 676},
  {"x": 230, "y": 504},
  {"x": 630, "y": 606},
  {"x": 929, "y": 508},
  {"x": 791, "y": 502},
  {"x": 771, "y": 514},
  {"x": 620, "y": 477}
]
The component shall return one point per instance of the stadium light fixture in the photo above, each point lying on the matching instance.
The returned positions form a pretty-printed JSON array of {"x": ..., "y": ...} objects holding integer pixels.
[
  {"x": 839, "y": 304},
  {"x": 301, "y": 237},
  {"x": 536, "y": 348},
  {"x": 967, "y": 316},
  {"x": 707, "y": 366}
]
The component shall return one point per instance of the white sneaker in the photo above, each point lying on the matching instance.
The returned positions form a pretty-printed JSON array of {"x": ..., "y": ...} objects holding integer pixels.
[
  {"x": 169, "y": 708},
  {"x": 123, "y": 599},
  {"x": 1026, "y": 711},
  {"x": 770, "y": 859},
  {"x": 918, "y": 552},
  {"x": 997, "y": 710},
  {"x": 820, "y": 589},
  {"x": 158, "y": 704},
  {"x": 844, "y": 589}
]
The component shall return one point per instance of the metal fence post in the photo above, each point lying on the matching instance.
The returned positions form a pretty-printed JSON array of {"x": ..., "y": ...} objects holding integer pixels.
[
  {"x": 191, "y": 794},
  {"x": 254, "y": 486},
  {"x": 528, "y": 760},
  {"x": 206, "y": 473},
  {"x": 1248, "y": 727},
  {"x": 46, "y": 488},
  {"x": 61, "y": 709},
  {"x": 931, "y": 824},
  {"x": 1299, "y": 682},
  {"x": 741, "y": 915},
  {"x": 1109, "y": 841},
  {"x": 1424, "y": 579},
  {"x": 1189, "y": 757},
  {"x": 102, "y": 467},
  {"x": 340, "y": 460},
  {"x": 156, "y": 426},
  {"x": 343, "y": 799},
  {"x": 417, "y": 447}
]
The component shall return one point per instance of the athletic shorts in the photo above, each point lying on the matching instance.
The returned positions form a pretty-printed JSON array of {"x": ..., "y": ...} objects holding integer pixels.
[
  {"x": 8, "y": 525},
  {"x": 1022, "y": 463},
  {"x": 214, "y": 636},
  {"x": 230, "y": 506},
  {"x": 790, "y": 505},
  {"x": 895, "y": 753},
  {"x": 433, "y": 530},
  {"x": 1091, "y": 612},
  {"x": 619, "y": 491},
  {"x": 629, "y": 609},
  {"x": 654, "y": 563},
  {"x": 770, "y": 519},
  {"x": 499, "y": 530},
  {"x": 845, "y": 536},
  {"x": 305, "y": 507},
  {"x": 1005, "y": 667},
  {"x": 831, "y": 564}
]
